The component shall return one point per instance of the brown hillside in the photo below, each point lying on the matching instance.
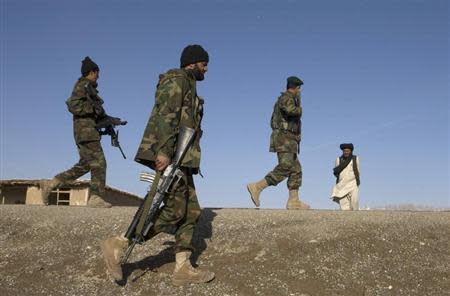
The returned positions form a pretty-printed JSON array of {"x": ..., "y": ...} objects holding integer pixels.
[{"x": 55, "y": 251}]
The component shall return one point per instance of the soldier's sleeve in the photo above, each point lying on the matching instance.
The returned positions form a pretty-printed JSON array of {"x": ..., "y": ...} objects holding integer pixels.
[
  {"x": 169, "y": 97},
  {"x": 336, "y": 162},
  {"x": 288, "y": 106},
  {"x": 78, "y": 104}
]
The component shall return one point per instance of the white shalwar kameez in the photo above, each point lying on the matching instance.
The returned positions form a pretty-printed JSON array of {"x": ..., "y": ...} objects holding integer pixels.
[{"x": 346, "y": 191}]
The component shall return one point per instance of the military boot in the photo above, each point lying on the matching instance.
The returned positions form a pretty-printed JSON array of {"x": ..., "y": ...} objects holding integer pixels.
[
  {"x": 184, "y": 273},
  {"x": 294, "y": 202},
  {"x": 46, "y": 188},
  {"x": 96, "y": 201},
  {"x": 255, "y": 190},
  {"x": 113, "y": 250}
]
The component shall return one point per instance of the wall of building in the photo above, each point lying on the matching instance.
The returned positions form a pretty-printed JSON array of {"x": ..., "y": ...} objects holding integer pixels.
[
  {"x": 13, "y": 195},
  {"x": 34, "y": 196},
  {"x": 30, "y": 194},
  {"x": 79, "y": 196},
  {"x": 120, "y": 199}
]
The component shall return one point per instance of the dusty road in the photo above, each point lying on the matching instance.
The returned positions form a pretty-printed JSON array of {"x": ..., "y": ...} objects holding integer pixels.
[{"x": 55, "y": 251}]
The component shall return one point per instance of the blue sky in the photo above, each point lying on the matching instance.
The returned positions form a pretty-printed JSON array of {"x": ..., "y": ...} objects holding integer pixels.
[{"x": 376, "y": 74}]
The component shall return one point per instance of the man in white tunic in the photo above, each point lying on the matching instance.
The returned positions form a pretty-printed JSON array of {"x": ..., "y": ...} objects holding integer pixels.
[{"x": 346, "y": 170}]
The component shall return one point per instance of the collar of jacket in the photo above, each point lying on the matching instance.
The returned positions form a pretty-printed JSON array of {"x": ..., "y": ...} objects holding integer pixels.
[
  {"x": 189, "y": 74},
  {"x": 92, "y": 83},
  {"x": 289, "y": 94},
  {"x": 177, "y": 71}
]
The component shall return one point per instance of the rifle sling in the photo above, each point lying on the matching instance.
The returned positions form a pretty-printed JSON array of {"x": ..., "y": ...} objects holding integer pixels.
[{"x": 147, "y": 205}]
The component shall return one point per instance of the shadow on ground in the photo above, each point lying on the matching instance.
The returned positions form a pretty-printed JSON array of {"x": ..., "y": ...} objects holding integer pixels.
[{"x": 202, "y": 234}]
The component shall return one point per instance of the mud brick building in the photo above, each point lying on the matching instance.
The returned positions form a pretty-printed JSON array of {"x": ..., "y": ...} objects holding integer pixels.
[{"x": 75, "y": 194}]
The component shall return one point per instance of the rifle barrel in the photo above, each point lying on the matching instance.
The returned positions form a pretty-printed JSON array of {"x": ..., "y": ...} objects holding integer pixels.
[
  {"x": 128, "y": 253},
  {"x": 121, "y": 151}
]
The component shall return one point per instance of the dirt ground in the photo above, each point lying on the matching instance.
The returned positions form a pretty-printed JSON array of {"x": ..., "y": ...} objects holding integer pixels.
[{"x": 55, "y": 251}]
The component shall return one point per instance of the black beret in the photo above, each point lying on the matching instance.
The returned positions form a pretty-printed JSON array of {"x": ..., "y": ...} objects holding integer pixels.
[
  {"x": 293, "y": 80},
  {"x": 88, "y": 65},
  {"x": 193, "y": 54},
  {"x": 347, "y": 146}
]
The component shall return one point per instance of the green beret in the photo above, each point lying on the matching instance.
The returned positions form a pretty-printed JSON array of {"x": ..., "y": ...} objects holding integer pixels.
[{"x": 294, "y": 80}]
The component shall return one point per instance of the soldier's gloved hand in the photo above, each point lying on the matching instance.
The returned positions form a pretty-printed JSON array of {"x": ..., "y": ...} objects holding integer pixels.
[{"x": 162, "y": 162}]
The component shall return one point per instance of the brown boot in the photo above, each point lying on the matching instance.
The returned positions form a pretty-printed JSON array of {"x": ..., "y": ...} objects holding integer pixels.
[
  {"x": 96, "y": 201},
  {"x": 255, "y": 190},
  {"x": 294, "y": 202},
  {"x": 46, "y": 188},
  {"x": 185, "y": 274},
  {"x": 113, "y": 250}
]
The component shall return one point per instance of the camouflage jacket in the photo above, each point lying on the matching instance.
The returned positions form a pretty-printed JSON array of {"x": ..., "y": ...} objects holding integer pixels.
[
  {"x": 85, "y": 112},
  {"x": 286, "y": 124},
  {"x": 176, "y": 104}
]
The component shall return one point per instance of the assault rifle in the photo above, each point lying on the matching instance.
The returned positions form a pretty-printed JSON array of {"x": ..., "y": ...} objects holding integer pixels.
[
  {"x": 161, "y": 185},
  {"x": 106, "y": 125}
]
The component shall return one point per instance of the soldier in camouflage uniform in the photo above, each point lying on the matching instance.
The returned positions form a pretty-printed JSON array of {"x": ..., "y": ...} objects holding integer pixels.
[
  {"x": 285, "y": 141},
  {"x": 176, "y": 105},
  {"x": 87, "y": 111}
]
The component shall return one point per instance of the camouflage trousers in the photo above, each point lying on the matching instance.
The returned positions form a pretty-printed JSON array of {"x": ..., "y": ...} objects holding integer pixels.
[
  {"x": 91, "y": 160},
  {"x": 288, "y": 167},
  {"x": 179, "y": 215}
]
